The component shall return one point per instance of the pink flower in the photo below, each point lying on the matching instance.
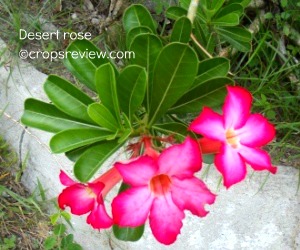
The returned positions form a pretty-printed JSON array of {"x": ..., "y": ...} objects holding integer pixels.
[
  {"x": 241, "y": 134},
  {"x": 85, "y": 198},
  {"x": 161, "y": 188}
]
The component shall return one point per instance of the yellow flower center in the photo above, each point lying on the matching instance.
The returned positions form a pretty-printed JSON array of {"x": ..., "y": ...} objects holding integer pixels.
[
  {"x": 231, "y": 138},
  {"x": 90, "y": 192},
  {"x": 160, "y": 184}
]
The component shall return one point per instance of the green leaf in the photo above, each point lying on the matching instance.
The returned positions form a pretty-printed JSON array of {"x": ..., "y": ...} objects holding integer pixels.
[
  {"x": 214, "y": 4},
  {"x": 210, "y": 93},
  {"x": 134, "y": 32},
  {"x": 66, "y": 97},
  {"x": 107, "y": 89},
  {"x": 212, "y": 68},
  {"x": 175, "y": 12},
  {"x": 174, "y": 73},
  {"x": 128, "y": 233},
  {"x": 137, "y": 15},
  {"x": 231, "y": 19},
  {"x": 82, "y": 66},
  {"x": 59, "y": 229},
  {"x": 244, "y": 3},
  {"x": 74, "y": 154},
  {"x": 239, "y": 38},
  {"x": 93, "y": 158},
  {"x": 125, "y": 135},
  {"x": 50, "y": 243},
  {"x": 47, "y": 117},
  {"x": 146, "y": 48},
  {"x": 102, "y": 116},
  {"x": 75, "y": 138},
  {"x": 232, "y": 8},
  {"x": 182, "y": 30},
  {"x": 131, "y": 86},
  {"x": 172, "y": 128}
]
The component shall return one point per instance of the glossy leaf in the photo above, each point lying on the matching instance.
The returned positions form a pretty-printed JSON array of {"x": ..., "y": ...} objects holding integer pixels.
[
  {"x": 93, "y": 158},
  {"x": 212, "y": 68},
  {"x": 131, "y": 86},
  {"x": 244, "y": 3},
  {"x": 239, "y": 38},
  {"x": 80, "y": 64},
  {"x": 73, "y": 155},
  {"x": 107, "y": 89},
  {"x": 175, "y": 12},
  {"x": 102, "y": 116},
  {"x": 232, "y": 8},
  {"x": 172, "y": 128},
  {"x": 75, "y": 138},
  {"x": 182, "y": 30},
  {"x": 134, "y": 32},
  {"x": 174, "y": 73},
  {"x": 210, "y": 93},
  {"x": 128, "y": 233},
  {"x": 47, "y": 117},
  {"x": 137, "y": 15},
  {"x": 66, "y": 97},
  {"x": 146, "y": 48},
  {"x": 231, "y": 19}
]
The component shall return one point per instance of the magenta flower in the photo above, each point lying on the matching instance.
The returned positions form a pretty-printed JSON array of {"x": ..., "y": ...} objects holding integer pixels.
[
  {"x": 161, "y": 188},
  {"x": 241, "y": 134},
  {"x": 84, "y": 198}
]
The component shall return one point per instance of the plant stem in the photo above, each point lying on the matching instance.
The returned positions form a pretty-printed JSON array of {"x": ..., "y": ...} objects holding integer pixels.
[{"x": 193, "y": 10}]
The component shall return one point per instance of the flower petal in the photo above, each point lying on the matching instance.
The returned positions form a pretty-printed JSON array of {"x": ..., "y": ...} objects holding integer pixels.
[
  {"x": 138, "y": 172},
  {"x": 237, "y": 107},
  {"x": 257, "y": 158},
  {"x": 165, "y": 219},
  {"x": 131, "y": 207},
  {"x": 65, "y": 179},
  {"x": 181, "y": 160},
  {"x": 210, "y": 124},
  {"x": 78, "y": 198},
  {"x": 231, "y": 166},
  {"x": 98, "y": 218},
  {"x": 191, "y": 194},
  {"x": 209, "y": 146},
  {"x": 256, "y": 132}
]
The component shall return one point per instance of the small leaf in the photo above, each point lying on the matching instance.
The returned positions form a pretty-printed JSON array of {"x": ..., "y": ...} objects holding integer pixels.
[
  {"x": 232, "y": 8},
  {"x": 47, "y": 117},
  {"x": 231, "y": 19},
  {"x": 174, "y": 73},
  {"x": 175, "y": 12},
  {"x": 66, "y": 97},
  {"x": 239, "y": 38},
  {"x": 131, "y": 85},
  {"x": 75, "y": 138},
  {"x": 212, "y": 68},
  {"x": 125, "y": 135},
  {"x": 54, "y": 218},
  {"x": 137, "y": 15},
  {"x": 182, "y": 30},
  {"x": 93, "y": 158},
  {"x": 134, "y": 32},
  {"x": 50, "y": 243},
  {"x": 102, "y": 116},
  {"x": 59, "y": 229},
  {"x": 82, "y": 66}
]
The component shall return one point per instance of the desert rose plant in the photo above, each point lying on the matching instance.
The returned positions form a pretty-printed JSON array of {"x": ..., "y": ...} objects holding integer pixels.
[{"x": 162, "y": 107}]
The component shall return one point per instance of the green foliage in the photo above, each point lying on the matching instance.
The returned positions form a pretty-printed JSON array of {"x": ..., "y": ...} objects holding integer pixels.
[{"x": 217, "y": 22}]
